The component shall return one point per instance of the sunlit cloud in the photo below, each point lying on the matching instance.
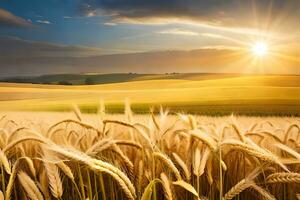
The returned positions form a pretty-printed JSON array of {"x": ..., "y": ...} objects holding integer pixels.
[
  {"x": 253, "y": 18},
  {"x": 222, "y": 37},
  {"x": 212, "y": 35},
  {"x": 177, "y": 31},
  {"x": 221, "y": 47},
  {"x": 158, "y": 21}
]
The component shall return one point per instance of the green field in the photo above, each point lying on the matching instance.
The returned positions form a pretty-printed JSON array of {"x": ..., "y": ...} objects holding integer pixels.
[{"x": 202, "y": 94}]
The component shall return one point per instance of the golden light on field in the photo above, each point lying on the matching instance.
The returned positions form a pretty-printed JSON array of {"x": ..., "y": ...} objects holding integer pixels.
[{"x": 260, "y": 49}]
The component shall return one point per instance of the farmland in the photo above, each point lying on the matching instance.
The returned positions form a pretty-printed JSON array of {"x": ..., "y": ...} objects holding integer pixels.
[
  {"x": 106, "y": 142},
  {"x": 211, "y": 95}
]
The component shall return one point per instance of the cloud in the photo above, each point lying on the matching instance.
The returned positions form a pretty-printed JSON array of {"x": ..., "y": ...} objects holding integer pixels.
[
  {"x": 16, "y": 47},
  {"x": 212, "y": 35},
  {"x": 222, "y": 37},
  {"x": 44, "y": 22},
  {"x": 26, "y": 58},
  {"x": 8, "y": 19},
  {"x": 177, "y": 31},
  {"x": 205, "y": 60},
  {"x": 110, "y": 24},
  {"x": 254, "y": 14},
  {"x": 222, "y": 47}
]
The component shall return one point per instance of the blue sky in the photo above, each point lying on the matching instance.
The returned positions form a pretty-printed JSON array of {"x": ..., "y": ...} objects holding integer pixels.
[
  {"x": 61, "y": 29},
  {"x": 35, "y": 30},
  {"x": 107, "y": 24},
  {"x": 60, "y": 21}
]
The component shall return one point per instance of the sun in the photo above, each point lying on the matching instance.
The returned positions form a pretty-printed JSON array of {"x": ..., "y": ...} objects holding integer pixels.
[{"x": 260, "y": 49}]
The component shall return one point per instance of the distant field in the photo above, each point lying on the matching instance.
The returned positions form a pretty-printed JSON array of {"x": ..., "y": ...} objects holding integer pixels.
[
  {"x": 210, "y": 94},
  {"x": 90, "y": 79}
]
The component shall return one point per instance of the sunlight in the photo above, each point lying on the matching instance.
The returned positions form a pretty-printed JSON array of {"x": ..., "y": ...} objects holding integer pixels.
[{"x": 260, "y": 49}]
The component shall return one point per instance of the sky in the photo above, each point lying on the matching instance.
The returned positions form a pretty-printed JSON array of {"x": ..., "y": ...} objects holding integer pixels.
[{"x": 149, "y": 36}]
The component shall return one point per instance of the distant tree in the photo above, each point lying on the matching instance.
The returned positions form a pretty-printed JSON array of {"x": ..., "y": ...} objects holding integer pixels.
[
  {"x": 64, "y": 83},
  {"x": 89, "y": 81}
]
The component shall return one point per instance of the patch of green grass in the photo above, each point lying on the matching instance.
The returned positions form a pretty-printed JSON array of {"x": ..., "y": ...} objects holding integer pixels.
[{"x": 248, "y": 108}]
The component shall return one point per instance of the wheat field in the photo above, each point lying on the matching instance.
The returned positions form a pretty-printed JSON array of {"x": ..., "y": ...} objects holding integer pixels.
[
  {"x": 210, "y": 95},
  {"x": 148, "y": 157}
]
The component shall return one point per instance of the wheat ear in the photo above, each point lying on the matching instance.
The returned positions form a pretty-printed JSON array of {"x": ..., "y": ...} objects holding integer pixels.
[
  {"x": 168, "y": 162},
  {"x": 54, "y": 180},
  {"x": 182, "y": 165},
  {"x": 166, "y": 186},
  {"x": 29, "y": 186},
  {"x": 283, "y": 178},
  {"x": 255, "y": 151}
]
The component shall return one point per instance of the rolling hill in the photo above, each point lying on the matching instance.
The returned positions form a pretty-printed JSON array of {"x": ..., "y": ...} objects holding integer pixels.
[
  {"x": 80, "y": 79},
  {"x": 209, "y": 94}
]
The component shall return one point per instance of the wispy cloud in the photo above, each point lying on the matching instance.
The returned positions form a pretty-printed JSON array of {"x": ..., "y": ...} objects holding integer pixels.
[
  {"x": 212, "y": 35},
  {"x": 178, "y": 31},
  {"x": 220, "y": 47},
  {"x": 44, "y": 22},
  {"x": 10, "y": 20},
  {"x": 234, "y": 16},
  {"x": 222, "y": 37},
  {"x": 110, "y": 24}
]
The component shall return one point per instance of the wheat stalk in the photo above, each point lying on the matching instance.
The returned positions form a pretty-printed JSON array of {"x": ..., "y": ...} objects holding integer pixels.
[
  {"x": 5, "y": 162},
  {"x": 128, "y": 143},
  {"x": 77, "y": 112},
  {"x": 205, "y": 138},
  {"x": 166, "y": 186},
  {"x": 12, "y": 135},
  {"x": 66, "y": 169},
  {"x": 183, "y": 166},
  {"x": 263, "y": 192},
  {"x": 283, "y": 178},
  {"x": 98, "y": 165},
  {"x": 287, "y": 133},
  {"x": 118, "y": 164},
  {"x": 24, "y": 139},
  {"x": 84, "y": 125},
  {"x": 54, "y": 180},
  {"x": 255, "y": 151},
  {"x": 242, "y": 185},
  {"x": 238, "y": 188},
  {"x": 29, "y": 186},
  {"x": 11, "y": 181},
  {"x": 43, "y": 180},
  {"x": 30, "y": 165},
  {"x": 168, "y": 162}
]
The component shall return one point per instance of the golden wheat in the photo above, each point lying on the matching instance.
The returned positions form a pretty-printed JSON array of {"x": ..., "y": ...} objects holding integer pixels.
[
  {"x": 148, "y": 156},
  {"x": 29, "y": 186},
  {"x": 283, "y": 178}
]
